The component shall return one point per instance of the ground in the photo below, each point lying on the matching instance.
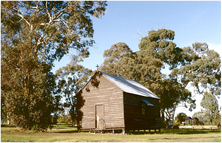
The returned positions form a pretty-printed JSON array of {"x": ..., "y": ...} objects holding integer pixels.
[{"x": 70, "y": 134}]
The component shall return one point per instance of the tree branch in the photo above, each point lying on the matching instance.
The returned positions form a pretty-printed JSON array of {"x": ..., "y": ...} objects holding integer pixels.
[
  {"x": 31, "y": 27},
  {"x": 50, "y": 18},
  {"x": 51, "y": 22}
]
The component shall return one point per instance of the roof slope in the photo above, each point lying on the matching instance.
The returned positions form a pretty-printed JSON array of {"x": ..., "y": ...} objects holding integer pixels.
[{"x": 130, "y": 86}]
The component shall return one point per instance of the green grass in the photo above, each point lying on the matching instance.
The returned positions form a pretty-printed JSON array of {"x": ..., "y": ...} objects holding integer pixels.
[{"x": 68, "y": 133}]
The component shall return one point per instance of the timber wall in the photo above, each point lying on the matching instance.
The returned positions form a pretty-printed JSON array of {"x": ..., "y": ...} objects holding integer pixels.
[
  {"x": 108, "y": 95},
  {"x": 134, "y": 120}
]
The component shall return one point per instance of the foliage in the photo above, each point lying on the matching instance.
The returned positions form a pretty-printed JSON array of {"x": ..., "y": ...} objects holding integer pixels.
[
  {"x": 203, "y": 71},
  {"x": 34, "y": 35},
  {"x": 176, "y": 122},
  {"x": 157, "y": 51},
  {"x": 52, "y": 27},
  {"x": 202, "y": 119},
  {"x": 218, "y": 121},
  {"x": 63, "y": 118},
  {"x": 181, "y": 117},
  {"x": 27, "y": 86},
  {"x": 211, "y": 107},
  {"x": 70, "y": 79}
]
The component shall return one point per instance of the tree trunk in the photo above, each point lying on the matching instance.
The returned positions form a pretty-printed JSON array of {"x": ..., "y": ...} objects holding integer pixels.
[
  {"x": 162, "y": 118},
  {"x": 73, "y": 123},
  {"x": 172, "y": 113}
]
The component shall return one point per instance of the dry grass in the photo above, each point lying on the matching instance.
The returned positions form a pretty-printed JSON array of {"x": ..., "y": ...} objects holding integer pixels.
[{"x": 70, "y": 134}]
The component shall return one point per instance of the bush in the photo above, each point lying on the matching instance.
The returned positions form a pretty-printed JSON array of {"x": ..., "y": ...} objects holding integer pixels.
[
  {"x": 34, "y": 129},
  {"x": 176, "y": 122},
  {"x": 176, "y": 127},
  {"x": 219, "y": 125},
  {"x": 200, "y": 123}
]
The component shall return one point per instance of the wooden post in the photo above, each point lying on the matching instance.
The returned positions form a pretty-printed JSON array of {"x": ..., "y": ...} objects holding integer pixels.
[
  {"x": 113, "y": 131},
  {"x": 159, "y": 130},
  {"x": 123, "y": 131}
]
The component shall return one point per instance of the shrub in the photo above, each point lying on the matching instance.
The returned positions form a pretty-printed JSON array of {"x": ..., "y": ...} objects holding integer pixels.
[
  {"x": 176, "y": 127},
  {"x": 219, "y": 125}
]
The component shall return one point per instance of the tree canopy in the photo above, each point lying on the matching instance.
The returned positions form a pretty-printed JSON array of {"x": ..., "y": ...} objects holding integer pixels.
[
  {"x": 33, "y": 35},
  {"x": 181, "y": 117},
  {"x": 157, "y": 51},
  {"x": 211, "y": 107},
  {"x": 70, "y": 79}
]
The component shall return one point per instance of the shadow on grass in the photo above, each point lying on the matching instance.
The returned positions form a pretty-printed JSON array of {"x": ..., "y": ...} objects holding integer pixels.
[
  {"x": 176, "y": 131},
  {"x": 6, "y": 125},
  {"x": 65, "y": 131},
  {"x": 15, "y": 141},
  {"x": 189, "y": 131}
]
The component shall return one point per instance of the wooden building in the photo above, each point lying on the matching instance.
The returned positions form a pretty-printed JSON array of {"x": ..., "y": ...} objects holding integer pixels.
[
  {"x": 109, "y": 102},
  {"x": 195, "y": 121},
  {"x": 191, "y": 121},
  {"x": 188, "y": 120}
]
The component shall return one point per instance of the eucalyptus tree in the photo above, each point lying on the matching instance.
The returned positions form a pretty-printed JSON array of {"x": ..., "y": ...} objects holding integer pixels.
[
  {"x": 119, "y": 61},
  {"x": 201, "y": 68},
  {"x": 157, "y": 52},
  {"x": 33, "y": 35},
  {"x": 70, "y": 79},
  {"x": 211, "y": 107},
  {"x": 203, "y": 71}
]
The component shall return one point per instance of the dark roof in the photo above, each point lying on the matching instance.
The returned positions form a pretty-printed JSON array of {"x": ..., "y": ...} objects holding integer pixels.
[
  {"x": 188, "y": 117},
  {"x": 195, "y": 118}
]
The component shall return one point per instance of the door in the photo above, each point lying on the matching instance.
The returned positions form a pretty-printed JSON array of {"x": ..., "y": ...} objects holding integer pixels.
[{"x": 99, "y": 115}]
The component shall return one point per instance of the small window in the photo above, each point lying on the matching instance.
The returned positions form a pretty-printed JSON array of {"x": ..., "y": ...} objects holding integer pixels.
[{"x": 143, "y": 109}]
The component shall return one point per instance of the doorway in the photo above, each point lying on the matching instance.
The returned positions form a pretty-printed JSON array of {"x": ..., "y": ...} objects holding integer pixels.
[{"x": 99, "y": 116}]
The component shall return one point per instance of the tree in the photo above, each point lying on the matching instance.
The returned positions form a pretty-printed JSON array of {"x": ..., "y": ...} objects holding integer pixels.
[
  {"x": 26, "y": 87},
  {"x": 202, "y": 119},
  {"x": 203, "y": 71},
  {"x": 52, "y": 28},
  {"x": 157, "y": 51},
  {"x": 33, "y": 35},
  {"x": 181, "y": 117},
  {"x": 146, "y": 64},
  {"x": 159, "y": 45},
  {"x": 211, "y": 107},
  {"x": 70, "y": 79},
  {"x": 119, "y": 61}
]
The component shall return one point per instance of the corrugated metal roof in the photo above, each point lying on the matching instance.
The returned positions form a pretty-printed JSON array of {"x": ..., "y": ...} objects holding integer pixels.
[{"x": 130, "y": 86}]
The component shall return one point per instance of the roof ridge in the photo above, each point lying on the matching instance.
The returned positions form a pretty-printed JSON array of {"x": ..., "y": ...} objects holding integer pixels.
[
  {"x": 130, "y": 86},
  {"x": 119, "y": 76}
]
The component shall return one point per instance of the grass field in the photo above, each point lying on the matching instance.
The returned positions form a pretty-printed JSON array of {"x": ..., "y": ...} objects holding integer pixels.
[{"x": 70, "y": 134}]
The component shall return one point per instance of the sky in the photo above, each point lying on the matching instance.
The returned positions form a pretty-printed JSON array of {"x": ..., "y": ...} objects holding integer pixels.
[{"x": 127, "y": 21}]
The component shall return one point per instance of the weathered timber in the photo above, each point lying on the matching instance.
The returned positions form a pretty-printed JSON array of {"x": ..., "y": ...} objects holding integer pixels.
[
  {"x": 134, "y": 119},
  {"x": 106, "y": 106}
]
